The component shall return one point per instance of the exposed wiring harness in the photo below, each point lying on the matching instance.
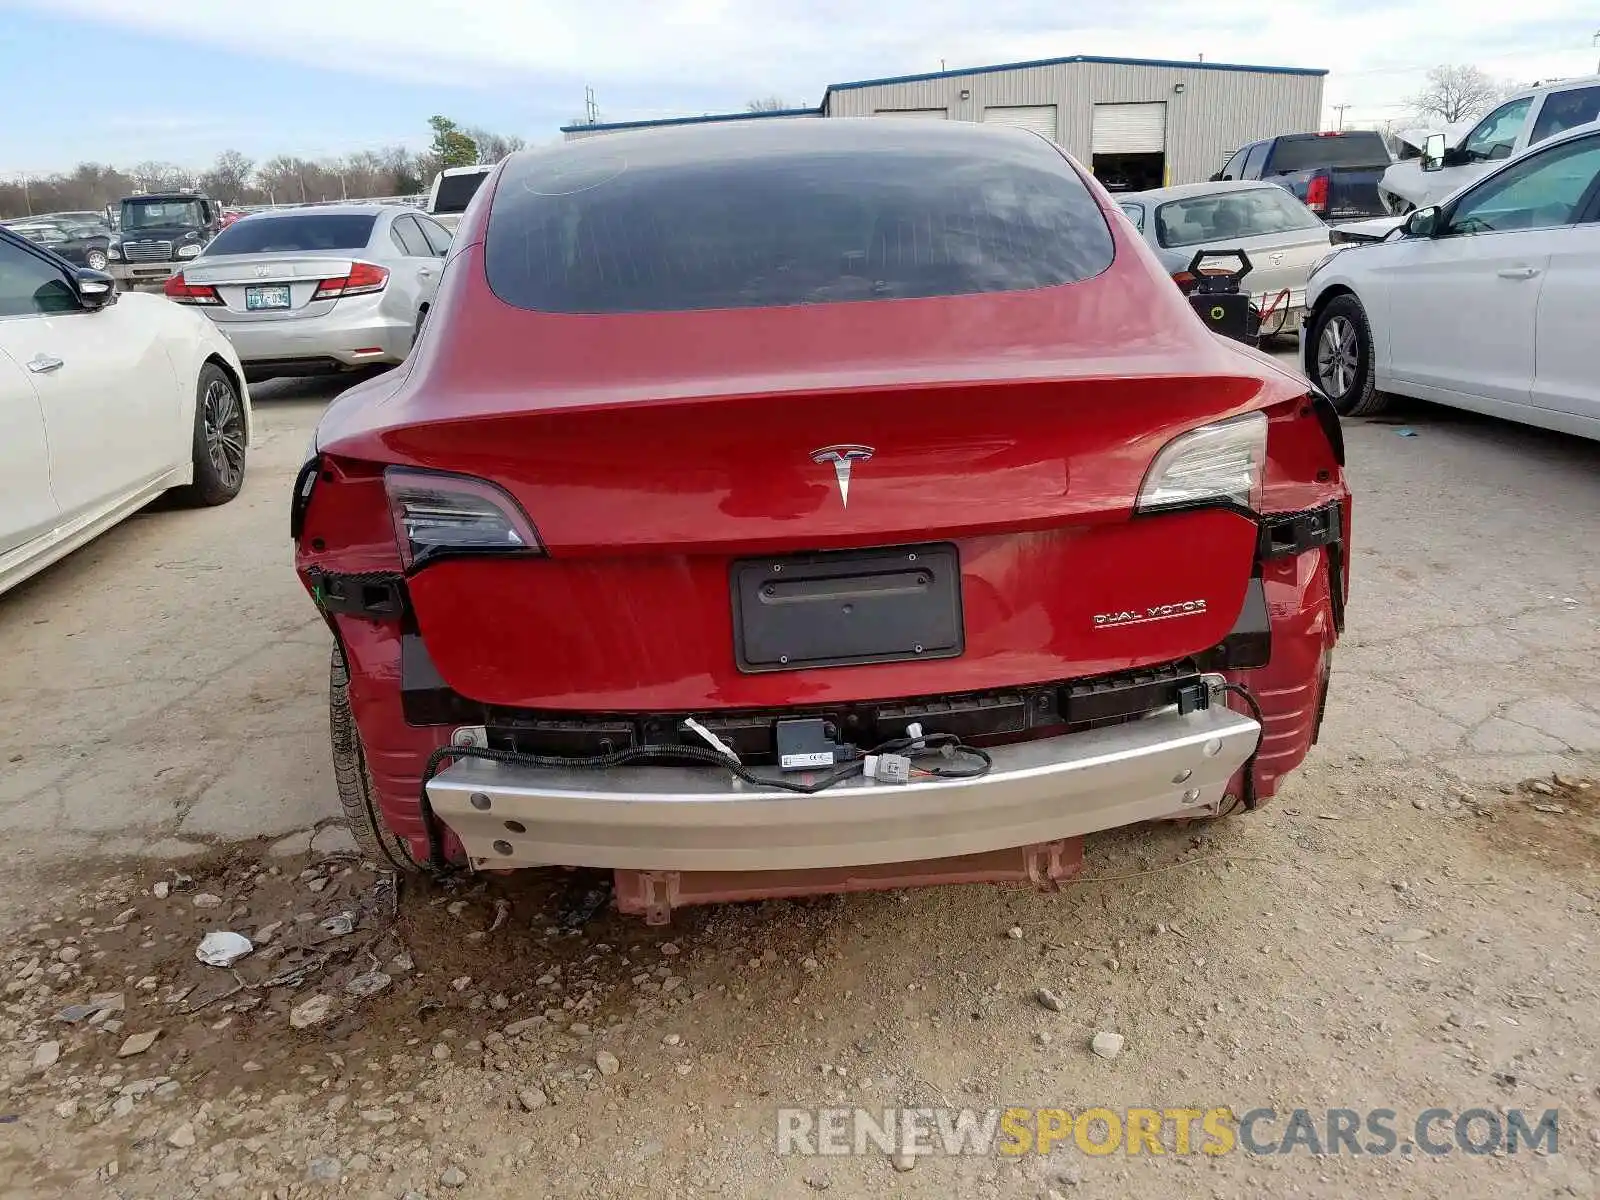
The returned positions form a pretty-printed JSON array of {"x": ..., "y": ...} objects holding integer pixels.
[
  {"x": 946, "y": 747},
  {"x": 1238, "y": 689}
]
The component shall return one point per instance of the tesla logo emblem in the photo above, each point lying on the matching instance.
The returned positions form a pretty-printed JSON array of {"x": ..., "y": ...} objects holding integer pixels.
[
  {"x": 261, "y": 272},
  {"x": 842, "y": 458}
]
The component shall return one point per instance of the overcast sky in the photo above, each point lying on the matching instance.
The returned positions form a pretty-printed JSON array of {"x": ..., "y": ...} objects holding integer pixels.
[{"x": 128, "y": 80}]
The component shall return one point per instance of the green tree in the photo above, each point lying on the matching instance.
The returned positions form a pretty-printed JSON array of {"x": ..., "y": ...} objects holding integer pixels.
[{"x": 451, "y": 147}]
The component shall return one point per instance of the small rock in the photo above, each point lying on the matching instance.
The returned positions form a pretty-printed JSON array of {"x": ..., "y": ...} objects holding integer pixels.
[
  {"x": 324, "y": 1170},
  {"x": 368, "y": 984},
  {"x": 1050, "y": 1000},
  {"x": 339, "y": 924},
  {"x": 67, "y": 1109},
  {"x": 1015, "y": 933},
  {"x": 671, "y": 1039},
  {"x": 45, "y": 1056},
  {"x": 498, "y": 1002},
  {"x": 1043, "y": 1037},
  {"x": 267, "y": 932},
  {"x": 1543, "y": 788},
  {"x": 317, "y": 884},
  {"x": 1071, "y": 1175},
  {"x": 1419, "y": 803},
  {"x": 669, "y": 949},
  {"x": 182, "y": 1137},
  {"x": 1553, "y": 809},
  {"x": 160, "y": 890},
  {"x": 207, "y": 900},
  {"x": 462, "y": 983},
  {"x": 452, "y": 1177},
  {"x": 138, "y": 1043},
  {"x": 68, "y": 954},
  {"x": 251, "y": 1065},
  {"x": 903, "y": 1161},
  {"x": 818, "y": 1181},
  {"x": 1106, "y": 1044},
  {"x": 441, "y": 1052},
  {"x": 311, "y": 1011},
  {"x": 607, "y": 1062},
  {"x": 358, "y": 1162},
  {"x": 810, "y": 966},
  {"x": 379, "y": 1116},
  {"x": 532, "y": 1098}
]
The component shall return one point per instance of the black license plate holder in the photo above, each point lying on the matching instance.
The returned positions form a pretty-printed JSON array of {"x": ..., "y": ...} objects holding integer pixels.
[{"x": 847, "y": 608}]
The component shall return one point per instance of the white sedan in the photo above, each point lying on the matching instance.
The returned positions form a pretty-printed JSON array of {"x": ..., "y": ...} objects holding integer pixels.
[
  {"x": 106, "y": 401},
  {"x": 1485, "y": 302}
]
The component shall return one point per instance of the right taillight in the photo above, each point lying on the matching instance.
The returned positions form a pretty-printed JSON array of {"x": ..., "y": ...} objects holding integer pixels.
[
  {"x": 437, "y": 514},
  {"x": 1317, "y": 194},
  {"x": 181, "y": 290},
  {"x": 1214, "y": 464},
  {"x": 363, "y": 278}
]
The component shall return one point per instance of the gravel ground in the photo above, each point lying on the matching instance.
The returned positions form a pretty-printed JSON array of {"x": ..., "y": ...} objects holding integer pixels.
[{"x": 1411, "y": 924}]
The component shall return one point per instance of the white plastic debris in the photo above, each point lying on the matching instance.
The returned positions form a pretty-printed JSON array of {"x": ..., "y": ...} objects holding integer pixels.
[{"x": 220, "y": 948}]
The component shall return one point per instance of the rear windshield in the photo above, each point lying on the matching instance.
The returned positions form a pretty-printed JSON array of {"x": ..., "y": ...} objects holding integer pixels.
[
  {"x": 285, "y": 235},
  {"x": 1252, "y": 213},
  {"x": 455, "y": 191},
  {"x": 1332, "y": 150},
  {"x": 789, "y": 212}
]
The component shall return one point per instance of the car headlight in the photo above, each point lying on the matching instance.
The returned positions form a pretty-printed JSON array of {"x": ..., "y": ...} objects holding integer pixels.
[
  {"x": 114, "y": 252},
  {"x": 189, "y": 251},
  {"x": 1327, "y": 258}
]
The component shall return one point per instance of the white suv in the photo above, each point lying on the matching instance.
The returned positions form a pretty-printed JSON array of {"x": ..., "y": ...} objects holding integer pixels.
[{"x": 1508, "y": 130}]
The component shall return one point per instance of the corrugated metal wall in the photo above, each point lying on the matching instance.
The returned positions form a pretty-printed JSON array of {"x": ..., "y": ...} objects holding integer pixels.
[{"x": 1217, "y": 111}]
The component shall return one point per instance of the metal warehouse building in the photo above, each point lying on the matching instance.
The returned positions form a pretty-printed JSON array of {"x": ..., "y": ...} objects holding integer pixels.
[{"x": 1140, "y": 123}]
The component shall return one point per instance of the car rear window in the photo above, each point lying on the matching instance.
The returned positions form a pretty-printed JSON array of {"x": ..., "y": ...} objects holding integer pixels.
[
  {"x": 1254, "y": 212},
  {"x": 787, "y": 213},
  {"x": 456, "y": 191},
  {"x": 287, "y": 235},
  {"x": 1328, "y": 150}
]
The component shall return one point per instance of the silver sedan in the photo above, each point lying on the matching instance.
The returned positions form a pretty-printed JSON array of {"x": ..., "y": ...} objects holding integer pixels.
[
  {"x": 1283, "y": 238},
  {"x": 318, "y": 290}
]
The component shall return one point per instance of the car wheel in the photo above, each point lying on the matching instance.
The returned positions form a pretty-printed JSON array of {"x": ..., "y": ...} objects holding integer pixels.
[
  {"x": 96, "y": 260},
  {"x": 1341, "y": 358},
  {"x": 357, "y": 797},
  {"x": 219, "y": 439}
]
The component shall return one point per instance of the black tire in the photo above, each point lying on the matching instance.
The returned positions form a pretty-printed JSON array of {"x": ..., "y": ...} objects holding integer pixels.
[
  {"x": 1339, "y": 358},
  {"x": 357, "y": 797},
  {"x": 219, "y": 439}
]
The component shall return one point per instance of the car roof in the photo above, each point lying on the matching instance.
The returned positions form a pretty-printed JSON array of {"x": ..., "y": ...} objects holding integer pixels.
[
  {"x": 344, "y": 210},
  {"x": 1188, "y": 191},
  {"x": 1555, "y": 85}
]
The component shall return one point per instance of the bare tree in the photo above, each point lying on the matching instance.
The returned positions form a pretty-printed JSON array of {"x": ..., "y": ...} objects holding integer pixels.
[
  {"x": 1454, "y": 93},
  {"x": 492, "y": 147},
  {"x": 162, "y": 177},
  {"x": 229, "y": 178},
  {"x": 767, "y": 104}
]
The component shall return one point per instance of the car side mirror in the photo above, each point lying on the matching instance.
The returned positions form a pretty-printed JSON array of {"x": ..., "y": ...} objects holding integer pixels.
[
  {"x": 1433, "y": 151},
  {"x": 1424, "y": 222},
  {"x": 1217, "y": 178},
  {"x": 95, "y": 289}
]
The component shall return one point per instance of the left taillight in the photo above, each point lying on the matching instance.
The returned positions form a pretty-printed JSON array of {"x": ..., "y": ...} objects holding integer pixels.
[
  {"x": 438, "y": 514},
  {"x": 1221, "y": 463},
  {"x": 181, "y": 290},
  {"x": 363, "y": 278}
]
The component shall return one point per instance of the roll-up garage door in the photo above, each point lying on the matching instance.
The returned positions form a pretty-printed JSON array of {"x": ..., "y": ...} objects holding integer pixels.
[
  {"x": 935, "y": 114},
  {"x": 1130, "y": 128},
  {"x": 1041, "y": 118}
]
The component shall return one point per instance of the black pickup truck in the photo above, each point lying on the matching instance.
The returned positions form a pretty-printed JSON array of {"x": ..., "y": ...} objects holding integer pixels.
[{"x": 1334, "y": 174}]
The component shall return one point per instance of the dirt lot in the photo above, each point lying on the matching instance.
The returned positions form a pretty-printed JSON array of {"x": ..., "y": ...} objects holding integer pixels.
[{"x": 1411, "y": 924}]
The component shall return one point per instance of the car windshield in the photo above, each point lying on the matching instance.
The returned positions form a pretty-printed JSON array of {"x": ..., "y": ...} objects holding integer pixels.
[
  {"x": 455, "y": 191},
  {"x": 152, "y": 214},
  {"x": 289, "y": 234},
  {"x": 1228, "y": 215},
  {"x": 766, "y": 217},
  {"x": 1328, "y": 150}
]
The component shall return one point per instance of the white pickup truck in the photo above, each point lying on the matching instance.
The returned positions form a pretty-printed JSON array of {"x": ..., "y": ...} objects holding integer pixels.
[
  {"x": 452, "y": 190},
  {"x": 1509, "y": 129}
]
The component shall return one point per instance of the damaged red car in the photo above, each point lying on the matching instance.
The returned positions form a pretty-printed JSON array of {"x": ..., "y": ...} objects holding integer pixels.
[{"x": 801, "y": 506}]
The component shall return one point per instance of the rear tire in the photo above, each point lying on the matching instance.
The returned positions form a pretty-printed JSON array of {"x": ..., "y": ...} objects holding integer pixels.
[
  {"x": 219, "y": 439},
  {"x": 96, "y": 260},
  {"x": 357, "y": 797},
  {"x": 1341, "y": 358}
]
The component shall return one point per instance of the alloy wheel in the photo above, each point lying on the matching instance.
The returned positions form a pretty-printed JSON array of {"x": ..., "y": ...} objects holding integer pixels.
[
  {"x": 223, "y": 417},
  {"x": 95, "y": 260},
  {"x": 1338, "y": 356}
]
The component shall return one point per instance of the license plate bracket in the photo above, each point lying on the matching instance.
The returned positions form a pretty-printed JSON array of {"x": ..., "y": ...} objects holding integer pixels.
[
  {"x": 266, "y": 296},
  {"x": 847, "y": 608}
]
